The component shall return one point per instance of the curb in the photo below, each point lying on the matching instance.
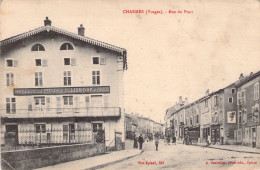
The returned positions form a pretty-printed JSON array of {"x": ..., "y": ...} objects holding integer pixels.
[
  {"x": 227, "y": 149},
  {"x": 113, "y": 162}
]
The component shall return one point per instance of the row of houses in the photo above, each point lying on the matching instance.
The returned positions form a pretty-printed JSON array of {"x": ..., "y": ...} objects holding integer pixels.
[
  {"x": 229, "y": 115},
  {"x": 60, "y": 87},
  {"x": 136, "y": 124}
]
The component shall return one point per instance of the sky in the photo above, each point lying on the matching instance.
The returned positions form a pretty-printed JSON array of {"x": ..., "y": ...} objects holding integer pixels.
[{"x": 168, "y": 55}]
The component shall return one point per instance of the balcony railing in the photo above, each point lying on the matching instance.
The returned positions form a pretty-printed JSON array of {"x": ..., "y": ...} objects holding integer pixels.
[{"x": 63, "y": 112}]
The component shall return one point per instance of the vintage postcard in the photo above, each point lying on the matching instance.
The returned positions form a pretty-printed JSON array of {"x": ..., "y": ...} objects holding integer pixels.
[{"x": 141, "y": 84}]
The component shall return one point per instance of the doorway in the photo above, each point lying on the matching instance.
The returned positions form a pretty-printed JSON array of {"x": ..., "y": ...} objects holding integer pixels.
[
  {"x": 69, "y": 133},
  {"x": 253, "y": 137},
  {"x": 11, "y": 135}
]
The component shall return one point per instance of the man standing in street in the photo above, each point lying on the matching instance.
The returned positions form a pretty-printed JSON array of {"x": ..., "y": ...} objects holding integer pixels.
[
  {"x": 156, "y": 143},
  {"x": 141, "y": 141}
]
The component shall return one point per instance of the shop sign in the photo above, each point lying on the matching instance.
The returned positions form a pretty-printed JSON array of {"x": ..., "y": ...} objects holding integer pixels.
[{"x": 61, "y": 90}]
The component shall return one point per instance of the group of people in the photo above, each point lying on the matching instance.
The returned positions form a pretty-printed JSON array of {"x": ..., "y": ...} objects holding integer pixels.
[
  {"x": 169, "y": 140},
  {"x": 140, "y": 140}
]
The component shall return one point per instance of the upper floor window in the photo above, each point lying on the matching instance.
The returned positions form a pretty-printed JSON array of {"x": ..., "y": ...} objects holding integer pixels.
[
  {"x": 197, "y": 118},
  {"x": 38, "y": 78},
  {"x": 38, "y": 62},
  {"x": 244, "y": 115},
  {"x": 66, "y": 46},
  {"x": 67, "y": 61},
  {"x": 95, "y": 60},
  {"x": 98, "y": 60},
  {"x": 96, "y": 77},
  {"x": 68, "y": 100},
  {"x": 215, "y": 100},
  {"x": 38, "y": 47},
  {"x": 238, "y": 98},
  {"x": 41, "y": 62},
  {"x": 256, "y": 91},
  {"x": 233, "y": 91},
  {"x": 9, "y": 79},
  {"x": 10, "y": 105},
  {"x": 230, "y": 100},
  {"x": 67, "y": 78},
  {"x": 206, "y": 103},
  {"x": 243, "y": 96},
  {"x": 11, "y": 63}
]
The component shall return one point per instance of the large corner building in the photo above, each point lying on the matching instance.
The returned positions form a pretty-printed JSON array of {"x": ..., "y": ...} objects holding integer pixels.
[{"x": 54, "y": 82}]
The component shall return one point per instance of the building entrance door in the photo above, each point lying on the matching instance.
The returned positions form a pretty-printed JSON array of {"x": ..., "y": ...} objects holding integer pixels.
[
  {"x": 11, "y": 135},
  {"x": 41, "y": 136},
  {"x": 253, "y": 137},
  {"x": 215, "y": 136},
  {"x": 69, "y": 133}
]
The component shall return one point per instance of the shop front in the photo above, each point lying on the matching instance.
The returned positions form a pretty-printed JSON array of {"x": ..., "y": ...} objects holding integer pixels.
[{"x": 215, "y": 134}]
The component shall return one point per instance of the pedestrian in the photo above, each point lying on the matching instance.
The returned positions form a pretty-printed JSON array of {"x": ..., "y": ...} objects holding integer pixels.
[
  {"x": 156, "y": 143},
  {"x": 209, "y": 140},
  {"x": 135, "y": 142},
  {"x": 174, "y": 140},
  {"x": 141, "y": 141},
  {"x": 168, "y": 140}
]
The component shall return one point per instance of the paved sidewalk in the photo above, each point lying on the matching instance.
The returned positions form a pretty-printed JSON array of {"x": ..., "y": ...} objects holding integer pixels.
[
  {"x": 96, "y": 161},
  {"x": 237, "y": 148}
]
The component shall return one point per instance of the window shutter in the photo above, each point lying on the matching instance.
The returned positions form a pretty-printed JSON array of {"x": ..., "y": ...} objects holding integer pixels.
[
  {"x": 58, "y": 104},
  {"x": 102, "y": 61},
  {"x": 87, "y": 99},
  {"x": 105, "y": 101},
  {"x": 48, "y": 103},
  {"x": 45, "y": 63},
  {"x": 48, "y": 127},
  {"x": 76, "y": 102},
  {"x": 30, "y": 107},
  {"x": 73, "y": 62},
  {"x": 15, "y": 63}
]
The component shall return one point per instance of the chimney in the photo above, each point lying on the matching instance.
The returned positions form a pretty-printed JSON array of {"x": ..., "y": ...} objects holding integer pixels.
[
  {"x": 241, "y": 76},
  {"x": 47, "y": 22},
  {"x": 180, "y": 100},
  {"x": 207, "y": 92},
  {"x": 186, "y": 101},
  {"x": 81, "y": 30}
]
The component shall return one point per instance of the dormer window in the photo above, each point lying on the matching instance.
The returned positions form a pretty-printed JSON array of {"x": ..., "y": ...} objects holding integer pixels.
[
  {"x": 66, "y": 46},
  {"x": 38, "y": 47}
]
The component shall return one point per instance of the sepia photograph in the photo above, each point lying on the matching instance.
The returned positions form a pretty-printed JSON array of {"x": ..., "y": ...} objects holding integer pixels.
[{"x": 141, "y": 84}]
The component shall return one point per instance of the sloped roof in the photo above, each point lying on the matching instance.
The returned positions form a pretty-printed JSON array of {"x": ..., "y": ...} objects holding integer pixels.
[
  {"x": 247, "y": 78},
  {"x": 48, "y": 28}
]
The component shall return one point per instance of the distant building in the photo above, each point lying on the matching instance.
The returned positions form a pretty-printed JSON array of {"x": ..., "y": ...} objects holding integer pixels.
[{"x": 229, "y": 115}]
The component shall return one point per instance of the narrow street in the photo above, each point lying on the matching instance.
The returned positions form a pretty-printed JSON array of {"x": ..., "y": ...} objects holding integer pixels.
[{"x": 188, "y": 157}]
